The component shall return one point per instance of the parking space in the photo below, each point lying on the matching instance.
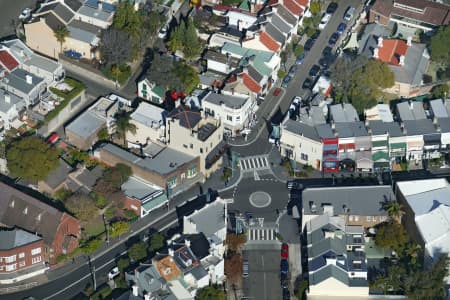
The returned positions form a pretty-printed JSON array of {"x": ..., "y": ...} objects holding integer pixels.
[{"x": 10, "y": 12}]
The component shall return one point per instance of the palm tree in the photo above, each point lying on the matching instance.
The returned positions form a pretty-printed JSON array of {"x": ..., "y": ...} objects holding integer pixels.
[
  {"x": 124, "y": 125},
  {"x": 61, "y": 34},
  {"x": 394, "y": 210},
  {"x": 413, "y": 251}
]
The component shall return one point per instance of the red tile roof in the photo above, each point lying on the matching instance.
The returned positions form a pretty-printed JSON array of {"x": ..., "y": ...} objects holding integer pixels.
[
  {"x": 391, "y": 51},
  {"x": 7, "y": 60},
  {"x": 268, "y": 41},
  {"x": 293, "y": 7},
  {"x": 303, "y": 3},
  {"x": 250, "y": 83},
  {"x": 272, "y": 2}
]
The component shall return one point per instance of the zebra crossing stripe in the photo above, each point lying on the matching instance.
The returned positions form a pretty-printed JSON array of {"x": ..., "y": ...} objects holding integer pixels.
[{"x": 266, "y": 162}]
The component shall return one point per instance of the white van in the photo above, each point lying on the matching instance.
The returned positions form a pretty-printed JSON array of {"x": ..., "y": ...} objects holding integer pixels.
[
  {"x": 325, "y": 19},
  {"x": 349, "y": 13}
]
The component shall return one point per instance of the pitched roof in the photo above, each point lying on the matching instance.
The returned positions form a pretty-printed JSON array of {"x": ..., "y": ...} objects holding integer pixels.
[
  {"x": 275, "y": 33},
  {"x": 73, "y": 4},
  {"x": 228, "y": 100},
  {"x": 254, "y": 74},
  {"x": 286, "y": 15},
  {"x": 209, "y": 219},
  {"x": 303, "y": 3},
  {"x": 39, "y": 217},
  {"x": 293, "y": 7},
  {"x": 268, "y": 41},
  {"x": 188, "y": 117},
  {"x": 52, "y": 21},
  {"x": 18, "y": 80},
  {"x": 250, "y": 83},
  {"x": 7, "y": 60},
  {"x": 279, "y": 23},
  {"x": 59, "y": 175},
  {"x": 416, "y": 65},
  {"x": 10, "y": 239},
  {"x": 63, "y": 12},
  {"x": 391, "y": 51},
  {"x": 302, "y": 129}
]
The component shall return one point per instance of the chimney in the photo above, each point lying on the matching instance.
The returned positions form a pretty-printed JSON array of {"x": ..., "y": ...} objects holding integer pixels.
[
  {"x": 402, "y": 60},
  {"x": 380, "y": 42},
  {"x": 232, "y": 91},
  {"x": 135, "y": 289},
  {"x": 187, "y": 243},
  {"x": 375, "y": 53},
  {"x": 147, "y": 297},
  {"x": 409, "y": 41},
  {"x": 7, "y": 98},
  {"x": 411, "y": 105},
  {"x": 29, "y": 79},
  {"x": 100, "y": 5},
  {"x": 171, "y": 252}
]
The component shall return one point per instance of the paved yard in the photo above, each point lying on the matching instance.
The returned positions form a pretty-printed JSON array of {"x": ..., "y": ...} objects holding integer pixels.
[{"x": 10, "y": 10}]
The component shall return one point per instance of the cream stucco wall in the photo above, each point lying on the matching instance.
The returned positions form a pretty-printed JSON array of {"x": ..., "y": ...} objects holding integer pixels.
[
  {"x": 333, "y": 287},
  {"x": 144, "y": 133},
  {"x": 40, "y": 38},
  {"x": 302, "y": 145}
]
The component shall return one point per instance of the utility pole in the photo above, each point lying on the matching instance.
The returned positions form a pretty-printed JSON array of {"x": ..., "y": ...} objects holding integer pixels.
[
  {"x": 106, "y": 223},
  {"x": 92, "y": 267}
]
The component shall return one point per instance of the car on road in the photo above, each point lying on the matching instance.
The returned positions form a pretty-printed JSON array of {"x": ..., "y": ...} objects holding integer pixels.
[
  {"x": 332, "y": 7},
  {"x": 293, "y": 70},
  {"x": 294, "y": 185},
  {"x": 315, "y": 35},
  {"x": 25, "y": 14},
  {"x": 300, "y": 59},
  {"x": 314, "y": 71},
  {"x": 333, "y": 39},
  {"x": 286, "y": 81},
  {"x": 284, "y": 266},
  {"x": 326, "y": 61},
  {"x": 341, "y": 28},
  {"x": 349, "y": 13},
  {"x": 284, "y": 251},
  {"x": 277, "y": 91},
  {"x": 307, "y": 84},
  {"x": 162, "y": 34},
  {"x": 286, "y": 293},
  {"x": 245, "y": 268},
  {"x": 113, "y": 273},
  {"x": 297, "y": 100},
  {"x": 327, "y": 51},
  {"x": 309, "y": 44},
  {"x": 324, "y": 21}
]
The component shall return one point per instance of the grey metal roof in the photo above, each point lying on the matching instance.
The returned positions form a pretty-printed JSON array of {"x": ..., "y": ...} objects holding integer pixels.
[
  {"x": 188, "y": 117},
  {"x": 412, "y": 110},
  {"x": 136, "y": 188},
  {"x": 17, "y": 79},
  {"x": 302, "y": 129},
  {"x": 444, "y": 124},
  {"x": 148, "y": 279},
  {"x": 89, "y": 177},
  {"x": 324, "y": 131},
  {"x": 227, "y": 100},
  {"x": 82, "y": 31},
  {"x": 312, "y": 115},
  {"x": 59, "y": 175},
  {"x": 379, "y": 127},
  {"x": 359, "y": 129},
  {"x": 209, "y": 219},
  {"x": 95, "y": 13},
  {"x": 10, "y": 239},
  {"x": 343, "y": 113},
  {"x": 222, "y": 58},
  {"x": 344, "y": 130},
  {"x": 52, "y": 21},
  {"x": 254, "y": 74},
  {"x": 42, "y": 63},
  {"x": 199, "y": 272},
  {"x": 279, "y": 23},
  {"x": 416, "y": 65},
  {"x": 369, "y": 38},
  {"x": 149, "y": 115},
  {"x": 360, "y": 200},
  {"x": 276, "y": 34},
  {"x": 85, "y": 27},
  {"x": 419, "y": 127},
  {"x": 63, "y": 12},
  {"x": 286, "y": 15},
  {"x": 73, "y": 4},
  {"x": 438, "y": 108},
  {"x": 87, "y": 124},
  {"x": 13, "y": 100}
]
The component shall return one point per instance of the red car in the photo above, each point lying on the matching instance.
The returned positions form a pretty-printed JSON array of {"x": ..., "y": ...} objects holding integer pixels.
[
  {"x": 277, "y": 91},
  {"x": 284, "y": 251}
]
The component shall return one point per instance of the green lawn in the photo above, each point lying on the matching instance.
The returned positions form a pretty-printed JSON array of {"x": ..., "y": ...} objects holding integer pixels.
[
  {"x": 78, "y": 87},
  {"x": 94, "y": 227}
]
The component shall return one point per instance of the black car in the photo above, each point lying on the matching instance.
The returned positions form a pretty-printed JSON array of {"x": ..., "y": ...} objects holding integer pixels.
[
  {"x": 333, "y": 39},
  {"x": 327, "y": 51},
  {"x": 307, "y": 84},
  {"x": 309, "y": 44},
  {"x": 286, "y": 81},
  {"x": 326, "y": 61},
  {"x": 332, "y": 7},
  {"x": 314, "y": 71},
  {"x": 315, "y": 35},
  {"x": 286, "y": 294}
]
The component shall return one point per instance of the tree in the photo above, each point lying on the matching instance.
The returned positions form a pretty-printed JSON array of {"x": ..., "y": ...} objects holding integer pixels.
[
  {"x": 439, "y": 45},
  {"x": 233, "y": 267},
  {"x": 129, "y": 21},
  {"x": 210, "y": 293},
  {"x": 122, "y": 264},
  {"x": 124, "y": 125},
  {"x": 137, "y": 251},
  {"x": 117, "y": 175},
  {"x": 413, "y": 252},
  {"x": 176, "y": 40},
  {"x": 440, "y": 91},
  {"x": 103, "y": 134},
  {"x": 61, "y": 33},
  {"x": 162, "y": 72},
  {"x": 157, "y": 242},
  {"x": 152, "y": 22},
  {"x": 235, "y": 241},
  {"x": 391, "y": 235},
  {"x": 394, "y": 210},
  {"x": 191, "y": 43},
  {"x": 115, "y": 49},
  {"x": 118, "y": 228},
  {"x": 82, "y": 206},
  {"x": 298, "y": 50},
  {"x": 314, "y": 8},
  {"x": 188, "y": 77},
  {"x": 62, "y": 194},
  {"x": 31, "y": 158},
  {"x": 392, "y": 282}
]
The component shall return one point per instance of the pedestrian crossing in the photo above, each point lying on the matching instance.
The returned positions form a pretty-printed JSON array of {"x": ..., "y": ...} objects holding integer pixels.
[
  {"x": 261, "y": 234},
  {"x": 254, "y": 163}
]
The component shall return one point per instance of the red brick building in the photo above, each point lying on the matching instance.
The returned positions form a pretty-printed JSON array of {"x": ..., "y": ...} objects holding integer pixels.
[
  {"x": 60, "y": 232},
  {"x": 21, "y": 255}
]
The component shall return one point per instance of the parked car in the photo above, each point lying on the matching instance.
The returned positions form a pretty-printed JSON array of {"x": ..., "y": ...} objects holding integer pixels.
[
  {"x": 284, "y": 266},
  {"x": 325, "y": 19},
  {"x": 309, "y": 44},
  {"x": 245, "y": 268},
  {"x": 327, "y": 51},
  {"x": 315, "y": 35},
  {"x": 284, "y": 251},
  {"x": 277, "y": 91},
  {"x": 314, "y": 71},
  {"x": 326, "y": 61},
  {"x": 333, "y": 39},
  {"x": 300, "y": 59},
  {"x": 332, "y": 7},
  {"x": 162, "y": 34},
  {"x": 341, "y": 28},
  {"x": 297, "y": 100},
  {"x": 286, "y": 81},
  {"x": 293, "y": 70},
  {"x": 307, "y": 84},
  {"x": 286, "y": 293},
  {"x": 349, "y": 13},
  {"x": 25, "y": 14},
  {"x": 113, "y": 273}
]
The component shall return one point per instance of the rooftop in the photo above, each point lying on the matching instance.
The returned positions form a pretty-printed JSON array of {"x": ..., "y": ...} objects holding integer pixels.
[
  {"x": 440, "y": 108},
  {"x": 167, "y": 268},
  {"x": 230, "y": 101},
  {"x": 301, "y": 129},
  {"x": 87, "y": 124},
  {"x": 419, "y": 127},
  {"x": 209, "y": 219},
  {"x": 416, "y": 64},
  {"x": 104, "y": 13},
  {"x": 84, "y": 32},
  {"x": 379, "y": 112},
  {"x": 59, "y": 175},
  {"x": 188, "y": 117},
  {"x": 205, "y": 131},
  {"x": 5, "y": 105},
  {"x": 411, "y": 110},
  {"x": 18, "y": 80},
  {"x": 139, "y": 189},
  {"x": 343, "y": 113},
  {"x": 7, "y": 60},
  {"x": 149, "y": 115},
  {"x": 378, "y": 127},
  {"x": 10, "y": 239}
]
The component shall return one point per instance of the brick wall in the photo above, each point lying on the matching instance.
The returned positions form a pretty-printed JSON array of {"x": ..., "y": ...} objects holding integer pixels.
[
  {"x": 69, "y": 226},
  {"x": 133, "y": 205},
  {"x": 376, "y": 17},
  {"x": 27, "y": 259}
]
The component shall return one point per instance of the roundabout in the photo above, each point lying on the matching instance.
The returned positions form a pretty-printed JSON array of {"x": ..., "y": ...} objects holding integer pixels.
[{"x": 260, "y": 199}]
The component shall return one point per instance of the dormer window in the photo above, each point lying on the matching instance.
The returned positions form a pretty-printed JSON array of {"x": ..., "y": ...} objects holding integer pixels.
[{"x": 25, "y": 211}]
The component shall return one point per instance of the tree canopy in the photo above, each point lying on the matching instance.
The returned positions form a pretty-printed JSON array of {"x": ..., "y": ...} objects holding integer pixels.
[
  {"x": 82, "y": 206},
  {"x": 31, "y": 158},
  {"x": 439, "y": 45},
  {"x": 360, "y": 81},
  {"x": 137, "y": 251},
  {"x": 210, "y": 293},
  {"x": 157, "y": 242},
  {"x": 184, "y": 37},
  {"x": 124, "y": 125},
  {"x": 117, "y": 175},
  {"x": 391, "y": 235},
  {"x": 61, "y": 33},
  {"x": 440, "y": 91}
]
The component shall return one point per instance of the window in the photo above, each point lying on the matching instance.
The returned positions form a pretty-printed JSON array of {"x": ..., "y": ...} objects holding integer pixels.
[
  {"x": 11, "y": 204},
  {"x": 21, "y": 255},
  {"x": 238, "y": 118},
  {"x": 36, "y": 259},
  {"x": 10, "y": 267},
  {"x": 229, "y": 118},
  {"x": 369, "y": 218},
  {"x": 25, "y": 211},
  {"x": 356, "y": 218},
  {"x": 10, "y": 259},
  {"x": 191, "y": 146},
  {"x": 172, "y": 182},
  {"x": 201, "y": 150},
  {"x": 304, "y": 156},
  {"x": 192, "y": 172},
  {"x": 185, "y": 146},
  {"x": 22, "y": 264},
  {"x": 36, "y": 251}
]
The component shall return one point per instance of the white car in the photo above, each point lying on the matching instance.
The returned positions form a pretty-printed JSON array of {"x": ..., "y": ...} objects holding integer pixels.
[
  {"x": 162, "y": 34},
  {"x": 325, "y": 19},
  {"x": 113, "y": 273},
  {"x": 349, "y": 13},
  {"x": 25, "y": 14}
]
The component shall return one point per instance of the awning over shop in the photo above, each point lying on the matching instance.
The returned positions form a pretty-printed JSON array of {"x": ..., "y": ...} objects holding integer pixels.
[
  {"x": 364, "y": 160},
  {"x": 380, "y": 156},
  {"x": 379, "y": 144}
]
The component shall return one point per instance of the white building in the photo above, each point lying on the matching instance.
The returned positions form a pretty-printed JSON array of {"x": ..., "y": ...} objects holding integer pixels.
[
  {"x": 150, "y": 124},
  {"x": 10, "y": 108},
  {"x": 235, "y": 111},
  {"x": 240, "y": 20}
]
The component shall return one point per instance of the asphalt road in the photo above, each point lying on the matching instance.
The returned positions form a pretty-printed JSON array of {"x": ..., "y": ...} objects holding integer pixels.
[{"x": 10, "y": 11}]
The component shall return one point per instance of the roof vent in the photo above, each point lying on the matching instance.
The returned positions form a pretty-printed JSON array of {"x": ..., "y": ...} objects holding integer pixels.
[
  {"x": 29, "y": 79},
  {"x": 380, "y": 42}
]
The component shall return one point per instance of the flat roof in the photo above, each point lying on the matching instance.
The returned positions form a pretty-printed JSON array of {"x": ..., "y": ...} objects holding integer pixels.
[
  {"x": 228, "y": 100},
  {"x": 149, "y": 115},
  {"x": 86, "y": 124},
  {"x": 138, "y": 188},
  {"x": 95, "y": 13}
]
